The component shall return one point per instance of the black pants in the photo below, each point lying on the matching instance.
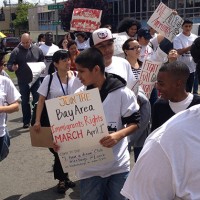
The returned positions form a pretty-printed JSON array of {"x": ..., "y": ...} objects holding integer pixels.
[
  {"x": 190, "y": 82},
  {"x": 57, "y": 168}
]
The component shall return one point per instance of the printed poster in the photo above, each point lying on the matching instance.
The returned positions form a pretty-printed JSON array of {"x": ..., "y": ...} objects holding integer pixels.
[
  {"x": 165, "y": 22},
  {"x": 77, "y": 124},
  {"x": 85, "y": 19},
  {"x": 148, "y": 76}
]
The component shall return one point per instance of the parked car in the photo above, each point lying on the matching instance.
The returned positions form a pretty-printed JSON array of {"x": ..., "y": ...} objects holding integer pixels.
[{"x": 9, "y": 43}]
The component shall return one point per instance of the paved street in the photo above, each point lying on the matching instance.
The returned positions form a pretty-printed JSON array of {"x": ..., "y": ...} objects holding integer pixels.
[{"x": 26, "y": 174}]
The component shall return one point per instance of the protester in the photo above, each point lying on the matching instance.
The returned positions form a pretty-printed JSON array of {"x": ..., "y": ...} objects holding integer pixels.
[
  {"x": 73, "y": 52},
  {"x": 41, "y": 39},
  {"x": 151, "y": 50},
  {"x": 103, "y": 40},
  {"x": 171, "y": 82},
  {"x": 106, "y": 180},
  {"x": 64, "y": 44},
  {"x": 9, "y": 97},
  {"x": 173, "y": 55},
  {"x": 25, "y": 52},
  {"x": 130, "y": 26},
  {"x": 182, "y": 43},
  {"x": 2, "y": 71},
  {"x": 64, "y": 82},
  {"x": 48, "y": 50},
  {"x": 82, "y": 41},
  {"x": 69, "y": 36},
  {"x": 131, "y": 50}
]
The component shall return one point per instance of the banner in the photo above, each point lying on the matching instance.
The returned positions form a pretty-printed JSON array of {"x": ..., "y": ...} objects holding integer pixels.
[
  {"x": 165, "y": 22},
  {"x": 118, "y": 42},
  {"x": 85, "y": 19},
  {"x": 77, "y": 124},
  {"x": 148, "y": 76}
]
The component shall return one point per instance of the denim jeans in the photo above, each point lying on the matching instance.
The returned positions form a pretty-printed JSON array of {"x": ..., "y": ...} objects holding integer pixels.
[
  {"x": 25, "y": 91},
  {"x": 99, "y": 188}
]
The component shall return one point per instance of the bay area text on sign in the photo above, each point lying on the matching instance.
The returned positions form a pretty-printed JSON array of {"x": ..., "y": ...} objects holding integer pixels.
[{"x": 77, "y": 124}]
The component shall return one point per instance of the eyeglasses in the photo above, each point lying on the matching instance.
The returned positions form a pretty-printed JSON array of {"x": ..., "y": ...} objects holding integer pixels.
[{"x": 136, "y": 47}]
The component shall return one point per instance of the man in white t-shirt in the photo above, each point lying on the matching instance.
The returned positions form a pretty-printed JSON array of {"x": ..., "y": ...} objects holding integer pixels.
[
  {"x": 103, "y": 40},
  {"x": 168, "y": 165},
  {"x": 48, "y": 50},
  {"x": 182, "y": 43}
]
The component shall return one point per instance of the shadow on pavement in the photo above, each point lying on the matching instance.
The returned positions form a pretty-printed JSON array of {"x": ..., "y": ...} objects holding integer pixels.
[
  {"x": 18, "y": 120},
  {"x": 17, "y": 132},
  {"x": 49, "y": 194},
  {"x": 14, "y": 197}
]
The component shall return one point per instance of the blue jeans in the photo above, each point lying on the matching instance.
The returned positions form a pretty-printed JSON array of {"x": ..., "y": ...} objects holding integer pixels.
[
  {"x": 25, "y": 91},
  {"x": 99, "y": 188}
]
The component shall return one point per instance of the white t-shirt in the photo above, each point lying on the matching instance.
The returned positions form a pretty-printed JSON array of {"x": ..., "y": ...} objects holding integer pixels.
[
  {"x": 182, "y": 105},
  {"x": 83, "y": 45},
  {"x": 152, "y": 52},
  {"x": 56, "y": 89},
  {"x": 125, "y": 104},
  {"x": 122, "y": 68},
  {"x": 168, "y": 165},
  {"x": 182, "y": 41},
  {"x": 8, "y": 95},
  {"x": 48, "y": 52}
]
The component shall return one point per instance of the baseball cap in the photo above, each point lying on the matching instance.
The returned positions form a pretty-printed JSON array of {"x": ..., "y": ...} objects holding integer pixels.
[
  {"x": 101, "y": 35},
  {"x": 144, "y": 32}
]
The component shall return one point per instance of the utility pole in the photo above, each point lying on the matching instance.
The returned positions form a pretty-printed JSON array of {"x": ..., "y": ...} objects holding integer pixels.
[{"x": 56, "y": 19}]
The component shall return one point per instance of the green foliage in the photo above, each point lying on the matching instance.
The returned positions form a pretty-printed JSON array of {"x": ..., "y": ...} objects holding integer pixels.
[{"x": 21, "y": 20}]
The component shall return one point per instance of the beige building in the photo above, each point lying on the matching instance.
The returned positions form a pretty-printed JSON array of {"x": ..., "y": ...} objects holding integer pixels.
[
  {"x": 41, "y": 20},
  {"x": 6, "y": 26}
]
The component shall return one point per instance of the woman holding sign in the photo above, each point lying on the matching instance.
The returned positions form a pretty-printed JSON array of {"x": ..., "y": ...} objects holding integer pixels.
[{"x": 64, "y": 82}]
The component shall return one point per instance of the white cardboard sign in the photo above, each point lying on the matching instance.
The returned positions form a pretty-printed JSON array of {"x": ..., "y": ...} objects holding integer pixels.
[
  {"x": 165, "y": 22},
  {"x": 77, "y": 124}
]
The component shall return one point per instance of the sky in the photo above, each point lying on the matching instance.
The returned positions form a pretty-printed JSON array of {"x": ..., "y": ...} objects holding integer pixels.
[{"x": 41, "y": 2}]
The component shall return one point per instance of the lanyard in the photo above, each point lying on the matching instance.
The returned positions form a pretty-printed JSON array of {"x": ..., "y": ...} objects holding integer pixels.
[{"x": 65, "y": 93}]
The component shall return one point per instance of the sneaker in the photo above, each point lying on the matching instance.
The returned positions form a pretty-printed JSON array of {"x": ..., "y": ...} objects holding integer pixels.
[
  {"x": 26, "y": 125},
  {"x": 69, "y": 184},
  {"x": 61, "y": 187}
]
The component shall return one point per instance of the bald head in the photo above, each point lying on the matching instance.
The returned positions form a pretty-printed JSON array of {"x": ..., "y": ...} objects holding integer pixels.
[{"x": 26, "y": 40}]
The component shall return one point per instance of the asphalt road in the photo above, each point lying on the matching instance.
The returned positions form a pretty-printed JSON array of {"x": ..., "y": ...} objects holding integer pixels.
[{"x": 26, "y": 174}]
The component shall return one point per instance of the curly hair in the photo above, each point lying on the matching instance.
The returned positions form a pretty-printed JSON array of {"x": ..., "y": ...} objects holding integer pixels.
[{"x": 126, "y": 23}]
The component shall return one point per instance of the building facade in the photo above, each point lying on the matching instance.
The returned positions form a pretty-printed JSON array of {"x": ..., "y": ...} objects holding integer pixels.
[{"x": 142, "y": 10}]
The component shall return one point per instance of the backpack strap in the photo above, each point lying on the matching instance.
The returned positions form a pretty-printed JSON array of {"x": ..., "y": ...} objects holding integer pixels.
[{"x": 49, "y": 85}]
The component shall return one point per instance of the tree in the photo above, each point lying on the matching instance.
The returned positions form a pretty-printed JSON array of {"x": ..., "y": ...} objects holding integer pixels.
[
  {"x": 21, "y": 20},
  {"x": 66, "y": 13}
]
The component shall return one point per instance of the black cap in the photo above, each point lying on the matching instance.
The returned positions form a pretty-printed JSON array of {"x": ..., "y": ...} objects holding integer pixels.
[{"x": 144, "y": 32}]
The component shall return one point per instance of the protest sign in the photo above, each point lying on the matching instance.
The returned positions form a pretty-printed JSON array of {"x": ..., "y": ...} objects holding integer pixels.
[
  {"x": 165, "y": 22},
  {"x": 120, "y": 38},
  {"x": 37, "y": 68},
  {"x": 85, "y": 19},
  {"x": 77, "y": 124},
  {"x": 148, "y": 76}
]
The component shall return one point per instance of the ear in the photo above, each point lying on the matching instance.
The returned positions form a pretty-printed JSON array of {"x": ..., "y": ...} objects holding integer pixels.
[{"x": 96, "y": 69}]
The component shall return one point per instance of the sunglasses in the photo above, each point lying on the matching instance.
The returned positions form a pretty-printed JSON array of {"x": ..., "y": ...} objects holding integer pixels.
[{"x": 136, "y": 47}]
